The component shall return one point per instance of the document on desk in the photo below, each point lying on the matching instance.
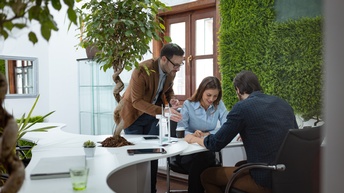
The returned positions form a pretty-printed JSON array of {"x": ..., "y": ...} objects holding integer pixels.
[{"x": 56, "y": 167}]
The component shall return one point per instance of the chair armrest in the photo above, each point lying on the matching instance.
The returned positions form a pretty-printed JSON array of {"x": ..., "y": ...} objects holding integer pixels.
[
  {"x": 248, "y": 166},
  {"x": 240, "y": 163}
]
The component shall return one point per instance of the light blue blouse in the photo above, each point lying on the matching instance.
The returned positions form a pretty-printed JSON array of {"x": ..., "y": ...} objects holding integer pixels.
[{"x": 195, "y": 117}]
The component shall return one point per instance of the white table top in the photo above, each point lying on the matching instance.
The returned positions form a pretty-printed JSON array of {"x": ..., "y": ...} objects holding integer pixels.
[
  {"x": 195, "y": 148},
  {"x": 57, "y": 143}
]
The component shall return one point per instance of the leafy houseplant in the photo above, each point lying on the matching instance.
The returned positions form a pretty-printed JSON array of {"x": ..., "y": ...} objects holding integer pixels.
[
  {"x": 89, "y": 148},
  {"x": 89, "y": 144},
  {"x": 10, "y": 135},
  {"x": 24, "y": 147},
  {"x": 19, "y": 14},
  {"x": 25, "y": 123},
  {"x": 121, "y": 30}
]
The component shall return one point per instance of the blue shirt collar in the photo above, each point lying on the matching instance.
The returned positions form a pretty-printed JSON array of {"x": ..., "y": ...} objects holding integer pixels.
[{"x": 197, "y": 105}]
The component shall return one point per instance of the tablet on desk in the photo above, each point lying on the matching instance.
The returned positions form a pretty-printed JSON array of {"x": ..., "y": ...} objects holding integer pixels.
[
  {"x": 56, "y": 167},
  {"x": 150, "y": 137},
  {"x": 145, "y": 151}
]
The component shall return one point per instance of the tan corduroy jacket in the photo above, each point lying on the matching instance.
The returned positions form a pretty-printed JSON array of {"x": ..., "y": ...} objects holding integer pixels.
[{"x": 139, "y": 94}]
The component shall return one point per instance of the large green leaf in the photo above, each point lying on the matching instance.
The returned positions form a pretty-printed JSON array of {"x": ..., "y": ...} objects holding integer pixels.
[
  {"x": 26, "y": 11},
  {"x": 24, "y": 124}
]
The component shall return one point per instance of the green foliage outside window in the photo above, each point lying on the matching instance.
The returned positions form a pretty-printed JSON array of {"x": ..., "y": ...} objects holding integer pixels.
[{"x": 2, "y": 67}]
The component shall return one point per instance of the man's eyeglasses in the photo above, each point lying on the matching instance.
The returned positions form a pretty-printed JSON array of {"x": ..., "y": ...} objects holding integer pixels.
[{"x": 175, "y": 65}]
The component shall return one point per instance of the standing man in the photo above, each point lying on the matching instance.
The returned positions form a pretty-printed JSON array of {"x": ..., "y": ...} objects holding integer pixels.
[
  {"x": 262, "y": 122},
  {"x": 146, "y": 93}
]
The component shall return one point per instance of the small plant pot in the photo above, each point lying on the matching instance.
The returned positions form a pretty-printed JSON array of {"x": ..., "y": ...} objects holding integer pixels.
[
  {"x": 89, "y": 151},
  {"x": 91, "y": 52}
]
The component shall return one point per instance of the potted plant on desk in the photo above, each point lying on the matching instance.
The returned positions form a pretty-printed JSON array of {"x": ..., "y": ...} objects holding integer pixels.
[{"x": 89, "y": 148}]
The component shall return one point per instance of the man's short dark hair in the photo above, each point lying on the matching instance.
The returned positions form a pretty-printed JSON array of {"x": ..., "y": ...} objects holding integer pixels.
[
  {"x": 247, "y": 82},
  {"x": 170, "y": 49}
]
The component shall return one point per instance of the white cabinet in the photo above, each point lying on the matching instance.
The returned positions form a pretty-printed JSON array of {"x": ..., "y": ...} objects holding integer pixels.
[{"x": 96, "y": 101}]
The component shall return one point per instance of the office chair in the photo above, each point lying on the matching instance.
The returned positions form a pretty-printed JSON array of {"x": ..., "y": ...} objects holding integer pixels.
[{"x": 297, "y": 166}]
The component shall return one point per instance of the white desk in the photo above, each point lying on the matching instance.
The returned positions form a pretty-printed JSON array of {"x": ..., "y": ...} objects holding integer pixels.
[
  {"x": 112, "y": 169},
  {"x": 195, "y": 148}
]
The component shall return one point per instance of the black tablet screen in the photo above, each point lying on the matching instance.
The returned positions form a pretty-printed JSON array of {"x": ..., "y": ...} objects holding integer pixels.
[{"x": 147, "y": 150}]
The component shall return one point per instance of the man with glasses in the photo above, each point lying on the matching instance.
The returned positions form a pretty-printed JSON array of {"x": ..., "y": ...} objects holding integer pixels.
[
  {"x": 176, "y": 65},
  {"x": 146, "y": 93}
]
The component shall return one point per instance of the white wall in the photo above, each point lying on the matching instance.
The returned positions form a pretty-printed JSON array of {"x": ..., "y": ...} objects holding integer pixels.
[
  {"x": 57, "y": 73},
  {"x": 19, "y": 46},
  {"x": 63, "y": 74}
]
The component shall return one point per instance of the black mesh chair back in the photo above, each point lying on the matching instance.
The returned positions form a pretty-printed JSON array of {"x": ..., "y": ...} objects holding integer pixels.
[
  {"x": 297, "y": 165},
  {"x": 300, "y": 153}
]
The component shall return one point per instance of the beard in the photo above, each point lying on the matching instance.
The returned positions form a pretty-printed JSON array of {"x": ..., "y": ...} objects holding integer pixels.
[{"x": 239, "y": 96}]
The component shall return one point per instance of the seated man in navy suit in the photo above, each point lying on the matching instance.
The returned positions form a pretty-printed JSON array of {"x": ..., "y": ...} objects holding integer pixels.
[{"x": 262, "y": 121}]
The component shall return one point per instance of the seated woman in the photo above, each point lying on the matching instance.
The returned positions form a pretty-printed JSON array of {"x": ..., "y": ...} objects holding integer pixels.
[{"x": 201, "y": 114}]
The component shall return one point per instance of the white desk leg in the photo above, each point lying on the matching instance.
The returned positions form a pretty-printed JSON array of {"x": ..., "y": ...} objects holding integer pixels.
[{"x": 124, "y": 180}]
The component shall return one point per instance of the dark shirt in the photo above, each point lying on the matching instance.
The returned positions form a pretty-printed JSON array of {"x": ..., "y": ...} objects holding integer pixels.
[{"x": 262, "y": 122}]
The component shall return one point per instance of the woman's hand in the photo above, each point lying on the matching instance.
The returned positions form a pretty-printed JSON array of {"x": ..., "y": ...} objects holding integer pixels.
[
  {"x": 191, "y": 138},
  {"x": 199, "y": 133}
]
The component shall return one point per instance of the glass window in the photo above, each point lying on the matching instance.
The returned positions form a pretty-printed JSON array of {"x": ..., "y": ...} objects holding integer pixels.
[
  {"x": 177, "y": 31},
  {"x": 204, "y": 36}
]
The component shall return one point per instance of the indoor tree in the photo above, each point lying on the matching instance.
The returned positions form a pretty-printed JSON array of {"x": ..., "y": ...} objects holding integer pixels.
[{"x": 121, "y": 31}]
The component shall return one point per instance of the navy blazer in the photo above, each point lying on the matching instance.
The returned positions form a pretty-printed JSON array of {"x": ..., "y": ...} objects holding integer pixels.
[{"x": 262, "y": 122}]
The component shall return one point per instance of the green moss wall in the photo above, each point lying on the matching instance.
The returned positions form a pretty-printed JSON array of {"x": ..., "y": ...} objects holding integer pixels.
[
  {"x": 2, "y": 67},
  {"x": 284, "y": 51}
]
